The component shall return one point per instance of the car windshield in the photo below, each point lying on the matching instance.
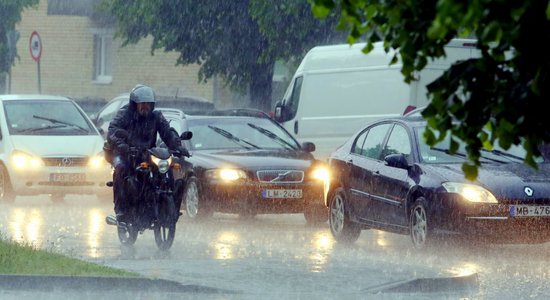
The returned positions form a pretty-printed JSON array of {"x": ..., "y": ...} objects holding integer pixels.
[
  {"x": 239, "y": 133},
  {"x": 46, "y": 117},
  {"x": 440, "y": 152}
]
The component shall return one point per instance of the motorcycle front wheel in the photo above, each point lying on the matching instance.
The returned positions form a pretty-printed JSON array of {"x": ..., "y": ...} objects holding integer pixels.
[
  {"x": 127, "y": 235},
  {"x": 165, "y": 229}
]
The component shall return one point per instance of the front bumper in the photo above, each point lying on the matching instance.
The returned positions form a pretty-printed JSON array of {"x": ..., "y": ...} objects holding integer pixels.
[
  {"x": 61, "y": 180},
  {"x": 250, "y": 197},
  {"x": 493, "y": 222}
]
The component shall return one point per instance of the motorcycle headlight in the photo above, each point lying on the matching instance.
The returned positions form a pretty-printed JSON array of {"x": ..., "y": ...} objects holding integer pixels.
[
  {"x": 226, "y": 174},
  {"x": 470, "y": 192},
  {"x": 162, "y": 164},
  {"x": 22, "y": 160}
]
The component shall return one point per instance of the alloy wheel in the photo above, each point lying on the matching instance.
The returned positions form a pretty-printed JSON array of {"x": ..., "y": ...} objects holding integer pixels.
[
  {"x": 192, "y": 200},
  {"x": 337, "y": 214},
  {"x": 419, "y": 226}
]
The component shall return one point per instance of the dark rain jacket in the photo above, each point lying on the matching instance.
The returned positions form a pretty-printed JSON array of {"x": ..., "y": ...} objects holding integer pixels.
[{"x": 142, "y": 131}]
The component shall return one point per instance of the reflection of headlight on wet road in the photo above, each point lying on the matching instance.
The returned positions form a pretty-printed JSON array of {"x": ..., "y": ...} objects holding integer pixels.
[
  {"x": 95, "y": 228},
  {"x": 323, "y": 244},
  {"x": 464, "y": 270},
  {"x": 32, "y": 223},
  {"x": 224, "y": 245}
]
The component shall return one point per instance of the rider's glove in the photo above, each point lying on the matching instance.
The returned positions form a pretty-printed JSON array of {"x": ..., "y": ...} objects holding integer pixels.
[{"x": 122, "y": 148}]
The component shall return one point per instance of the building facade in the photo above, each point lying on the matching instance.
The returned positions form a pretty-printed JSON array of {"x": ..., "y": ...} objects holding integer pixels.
[{"x": 80, "y": 57}]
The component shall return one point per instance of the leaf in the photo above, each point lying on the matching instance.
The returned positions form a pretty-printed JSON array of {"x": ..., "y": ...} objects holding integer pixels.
[
  {"x": 470, "y": 171},
  {"x": 320, "y": 11}
]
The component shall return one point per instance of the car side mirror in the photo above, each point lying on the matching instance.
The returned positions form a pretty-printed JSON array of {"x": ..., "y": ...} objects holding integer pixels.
[
  {"x": 308, "y": 146},
  {"x": 397, "y": 161},
  {"x": 186, "y": 135},
  {"x": 278, "y": 115}
]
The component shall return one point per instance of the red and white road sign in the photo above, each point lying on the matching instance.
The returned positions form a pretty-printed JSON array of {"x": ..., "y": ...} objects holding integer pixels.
[{"x": 35, "y": 46}]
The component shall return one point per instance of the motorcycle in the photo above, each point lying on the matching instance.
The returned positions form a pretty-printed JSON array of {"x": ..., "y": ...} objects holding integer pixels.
[{"x": 153, "y": 193}]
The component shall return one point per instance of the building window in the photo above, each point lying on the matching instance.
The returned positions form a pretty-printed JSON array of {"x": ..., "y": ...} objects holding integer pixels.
[{"x": 103, "y": 58}]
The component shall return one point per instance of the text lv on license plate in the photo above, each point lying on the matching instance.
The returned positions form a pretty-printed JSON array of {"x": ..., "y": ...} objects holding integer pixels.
[
  {"x": 281, "y": 194},
  {"x": 529, "y": 211}
]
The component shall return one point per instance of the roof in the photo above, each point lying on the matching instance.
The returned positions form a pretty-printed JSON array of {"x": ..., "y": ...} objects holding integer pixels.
[
  {"x": 171, "y": 112},
  {"x": 32, "y": 97}
]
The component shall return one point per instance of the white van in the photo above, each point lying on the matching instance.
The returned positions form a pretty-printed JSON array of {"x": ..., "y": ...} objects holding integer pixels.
[{"x": 337, "y": 89}]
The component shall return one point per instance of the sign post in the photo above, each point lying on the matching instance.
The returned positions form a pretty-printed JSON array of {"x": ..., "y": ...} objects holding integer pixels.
[{"x": 35, "y": 47}]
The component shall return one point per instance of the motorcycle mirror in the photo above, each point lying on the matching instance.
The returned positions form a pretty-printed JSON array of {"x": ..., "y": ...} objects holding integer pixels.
[{"x": 186, "y": 135}]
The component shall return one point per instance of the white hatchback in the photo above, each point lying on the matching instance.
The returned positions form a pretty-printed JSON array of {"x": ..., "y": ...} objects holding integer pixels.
[{"x": 49, "y": 146}]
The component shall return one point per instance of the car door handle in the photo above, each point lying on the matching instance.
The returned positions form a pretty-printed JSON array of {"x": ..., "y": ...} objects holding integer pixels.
[
  {"x": 376, "y": 173},
  {"x": 349, "y": 161},
  {"x": 295, "y": 127}
]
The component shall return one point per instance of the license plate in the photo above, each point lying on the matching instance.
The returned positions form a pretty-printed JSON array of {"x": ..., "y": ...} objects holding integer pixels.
[
  {"x": 67, "y": 177},
  {"x": 529, "y": 211},
  {"x": 281, "y": 194}
]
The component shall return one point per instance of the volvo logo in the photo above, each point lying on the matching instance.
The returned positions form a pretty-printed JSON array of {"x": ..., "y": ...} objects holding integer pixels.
[
  {"x": 280, "y": 176},
  {"x": 528, "y": 191},
  {"x": 66, "y": 162}
]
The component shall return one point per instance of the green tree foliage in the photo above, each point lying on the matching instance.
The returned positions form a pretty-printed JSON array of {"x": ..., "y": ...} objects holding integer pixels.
[
  {"x": 237, "y": 40},
  {"x": 505, "y": 89},
  {"x": 10, "y": 14}
]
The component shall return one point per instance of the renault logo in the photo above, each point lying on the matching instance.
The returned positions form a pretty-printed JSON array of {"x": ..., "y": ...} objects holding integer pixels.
[
  {"x": 528, "y": 191},
  {"x": 66, "y": 162}
]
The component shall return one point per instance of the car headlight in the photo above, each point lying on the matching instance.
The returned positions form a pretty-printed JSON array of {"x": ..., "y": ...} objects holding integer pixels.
[
  {"x": 162, "y": 164},
  {"x": 321, "y": 173},
  {"x": 470, "y": 192},
  {"x": 22, "y": 160},
  {"x": 96, "y": 161},
  {"x": 226, "y": 174}
]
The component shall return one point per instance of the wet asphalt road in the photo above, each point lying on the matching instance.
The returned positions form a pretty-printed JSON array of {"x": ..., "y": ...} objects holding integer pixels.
[{"x": 279, "y": 256}]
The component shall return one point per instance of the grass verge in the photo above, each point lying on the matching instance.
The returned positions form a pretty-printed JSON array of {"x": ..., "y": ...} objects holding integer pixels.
[{"x": 24, "y": 259}]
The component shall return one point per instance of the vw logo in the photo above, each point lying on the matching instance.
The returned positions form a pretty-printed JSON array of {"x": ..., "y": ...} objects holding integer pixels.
[
  {"x": 66, "y": 162},
  {"x": 528, "y": 191}
]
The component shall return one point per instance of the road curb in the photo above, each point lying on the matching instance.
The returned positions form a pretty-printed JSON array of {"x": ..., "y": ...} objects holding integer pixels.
[
  {"x": 90, "y": 283},
  {"x": 428, "y": 285}
]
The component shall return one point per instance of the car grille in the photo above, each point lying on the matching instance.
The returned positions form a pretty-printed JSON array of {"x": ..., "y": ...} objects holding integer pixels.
[
  {"x": 65, "y": 161},
  {"x": 280, "y": 176}
]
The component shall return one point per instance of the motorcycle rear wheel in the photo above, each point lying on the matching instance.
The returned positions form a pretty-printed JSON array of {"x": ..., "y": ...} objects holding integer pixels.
[{"x": 165, "y": 229}]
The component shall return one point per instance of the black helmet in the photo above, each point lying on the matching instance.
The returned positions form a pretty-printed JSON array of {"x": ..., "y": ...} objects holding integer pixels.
[{"x": 142, "y": 93}]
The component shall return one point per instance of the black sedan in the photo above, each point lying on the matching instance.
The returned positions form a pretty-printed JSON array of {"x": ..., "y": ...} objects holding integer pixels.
[
  {"x": 386, "y": 177},
  {"x": 247, "y": 164}
]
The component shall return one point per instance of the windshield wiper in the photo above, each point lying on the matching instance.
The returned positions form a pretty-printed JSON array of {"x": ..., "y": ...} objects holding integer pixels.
[
  {"x": 272, "y": 136},
  {"x": 447, "y": 151},
  {"x": 33, "y": 129},
  {"x": 55, "y": 121},
  {"x": 231, "y": 137},
  {"x": 502, "y": 153}
]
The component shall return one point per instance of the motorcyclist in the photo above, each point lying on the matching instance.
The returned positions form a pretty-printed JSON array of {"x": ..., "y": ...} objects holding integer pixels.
[{"x": 136, "y": 125}]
